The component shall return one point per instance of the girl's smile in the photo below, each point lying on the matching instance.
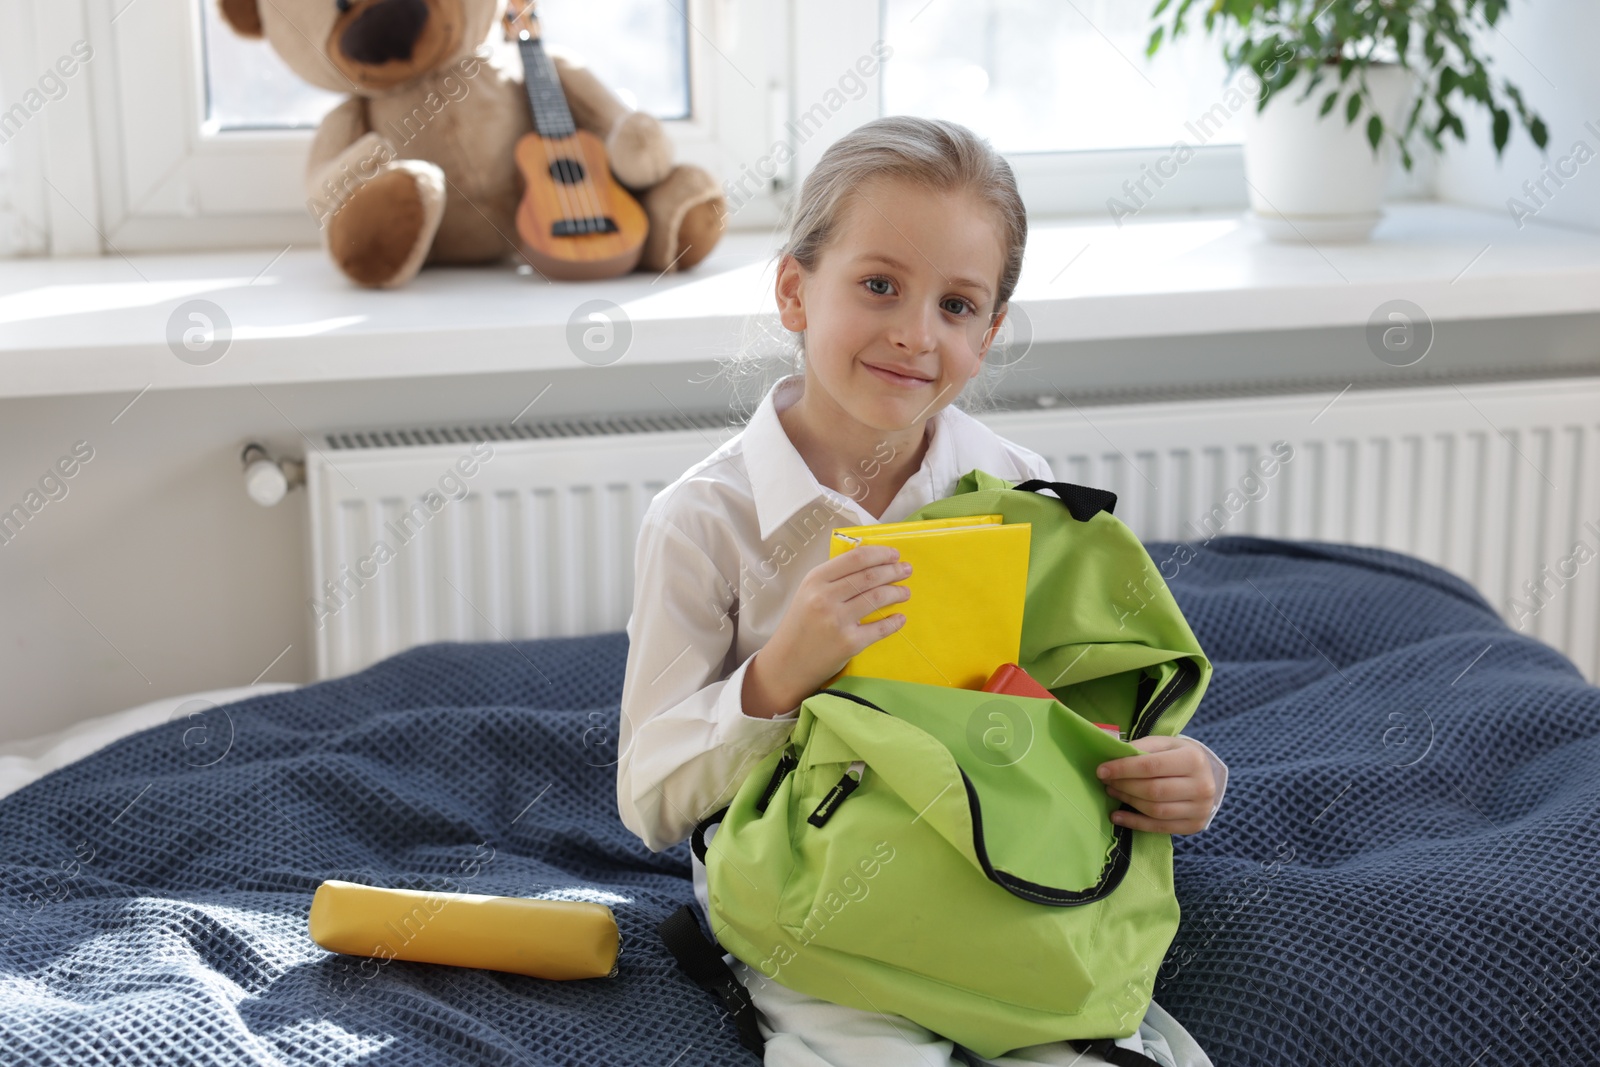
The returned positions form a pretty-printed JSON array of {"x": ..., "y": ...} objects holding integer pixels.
[{"x": 906, "y": 379}]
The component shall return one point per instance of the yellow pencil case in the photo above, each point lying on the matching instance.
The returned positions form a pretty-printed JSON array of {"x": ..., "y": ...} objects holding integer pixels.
[{"x": 558, "y": 939}]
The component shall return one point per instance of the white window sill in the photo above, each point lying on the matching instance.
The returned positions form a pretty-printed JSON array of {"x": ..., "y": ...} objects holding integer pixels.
[{"x": 71, "y": 326}]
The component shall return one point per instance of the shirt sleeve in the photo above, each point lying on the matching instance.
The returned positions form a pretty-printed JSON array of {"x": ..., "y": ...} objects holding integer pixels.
[
  {"x": 684, "y": 744},
  {"x": 1219, "y": 771}
]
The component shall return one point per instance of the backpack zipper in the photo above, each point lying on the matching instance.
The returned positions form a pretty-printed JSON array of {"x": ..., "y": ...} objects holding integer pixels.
[
  {"x": 843, "y": 788},
  {"x": 1184, "y": 680},
  {"x": 852, "y": 776},
  {"x": 1188, "y": 674},
  {"x": 786, "y": 763}
]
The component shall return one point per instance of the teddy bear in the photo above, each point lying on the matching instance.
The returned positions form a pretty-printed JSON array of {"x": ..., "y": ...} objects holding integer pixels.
[{"x": 416, "y": 166}]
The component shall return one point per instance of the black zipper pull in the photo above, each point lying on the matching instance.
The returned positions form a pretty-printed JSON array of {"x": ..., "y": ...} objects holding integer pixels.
[
  {"x": 836, "y": 795},
  {"x": 786, "y": 763}
]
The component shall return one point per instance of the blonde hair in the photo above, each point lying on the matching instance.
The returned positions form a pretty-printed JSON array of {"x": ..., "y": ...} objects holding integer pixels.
[{"x": 937, "y": 154}]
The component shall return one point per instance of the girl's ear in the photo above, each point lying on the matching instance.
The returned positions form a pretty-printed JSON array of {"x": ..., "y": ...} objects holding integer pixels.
[
  {"x": 243, "y": 15},
  {"x": 988, "y": 337},
  {"x": 791, "y": 309}
]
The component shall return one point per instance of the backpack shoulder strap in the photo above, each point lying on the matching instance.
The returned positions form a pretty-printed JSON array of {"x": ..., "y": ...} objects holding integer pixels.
[
  {"x": 1082, "y": 501},
  {"x": 702, "y": 961}
]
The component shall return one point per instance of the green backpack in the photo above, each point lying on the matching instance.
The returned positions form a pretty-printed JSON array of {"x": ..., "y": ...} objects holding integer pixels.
[{"x": 948, "y": 855}]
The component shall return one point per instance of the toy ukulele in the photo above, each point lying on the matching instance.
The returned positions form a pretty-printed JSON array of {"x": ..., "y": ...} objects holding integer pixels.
[{"x": 576, "y": 220}]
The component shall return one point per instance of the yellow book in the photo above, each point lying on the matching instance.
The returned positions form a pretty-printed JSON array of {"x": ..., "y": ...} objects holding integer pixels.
[{"x": 969, "y": 577}]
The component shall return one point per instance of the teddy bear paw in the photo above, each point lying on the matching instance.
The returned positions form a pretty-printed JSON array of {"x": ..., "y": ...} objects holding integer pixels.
[{"x": 380, "y": 236}]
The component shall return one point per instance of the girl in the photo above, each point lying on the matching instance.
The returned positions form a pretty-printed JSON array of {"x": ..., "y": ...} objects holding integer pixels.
[{"x": 904, "y": 248}]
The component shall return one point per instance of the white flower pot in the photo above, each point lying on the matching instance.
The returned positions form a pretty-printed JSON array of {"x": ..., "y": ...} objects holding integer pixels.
[{"x": 1315, "y": 178}]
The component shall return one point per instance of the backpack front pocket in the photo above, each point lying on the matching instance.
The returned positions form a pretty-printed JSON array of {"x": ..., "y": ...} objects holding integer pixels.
[{"x": 891, "y": 873}]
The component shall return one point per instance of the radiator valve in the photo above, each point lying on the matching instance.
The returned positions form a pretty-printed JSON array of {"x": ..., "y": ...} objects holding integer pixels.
[{"x": 267, "y": 480}]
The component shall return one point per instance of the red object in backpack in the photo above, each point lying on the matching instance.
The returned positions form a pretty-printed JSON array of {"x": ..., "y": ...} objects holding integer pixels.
[{"x": 1012, "y": 679}]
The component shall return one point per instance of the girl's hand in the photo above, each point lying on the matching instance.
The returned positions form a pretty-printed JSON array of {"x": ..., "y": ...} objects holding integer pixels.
[
  {"x": 1172, "y": 785},
  {"x": 821, "y": 629}
]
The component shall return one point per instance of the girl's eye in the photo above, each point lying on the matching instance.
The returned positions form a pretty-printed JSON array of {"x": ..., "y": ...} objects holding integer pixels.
[{"x": 961, "y": 304}]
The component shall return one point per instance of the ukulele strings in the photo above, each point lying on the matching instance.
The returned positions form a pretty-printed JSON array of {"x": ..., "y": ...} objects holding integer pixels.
[
  {"x": 563, "y": 196},
  {"x": 580, "y": 193},
  {"x": 567, "y": 197},
  {"x": 588, "y": 190},
  {"x": 587, "y": 207},
  {"x": 560, "y": 186}
]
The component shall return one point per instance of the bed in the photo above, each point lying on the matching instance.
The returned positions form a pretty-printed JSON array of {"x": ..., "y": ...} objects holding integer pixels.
[{"x": 1404, "y": 870}]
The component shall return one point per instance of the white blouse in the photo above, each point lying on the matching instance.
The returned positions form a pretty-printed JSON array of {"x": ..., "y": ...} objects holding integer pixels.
[{"x": 719, "y": 555}]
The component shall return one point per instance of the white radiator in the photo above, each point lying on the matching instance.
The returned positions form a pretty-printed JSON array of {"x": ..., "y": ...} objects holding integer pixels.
[{"x": 1498, "y": 482}]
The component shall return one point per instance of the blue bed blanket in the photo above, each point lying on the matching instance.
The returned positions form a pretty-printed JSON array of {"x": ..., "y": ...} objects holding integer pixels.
[{"x": 1405, "y": 869}]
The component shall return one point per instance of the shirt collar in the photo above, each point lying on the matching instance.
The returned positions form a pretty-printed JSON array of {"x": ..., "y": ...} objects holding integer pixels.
[{"x": 781, "y": 483}]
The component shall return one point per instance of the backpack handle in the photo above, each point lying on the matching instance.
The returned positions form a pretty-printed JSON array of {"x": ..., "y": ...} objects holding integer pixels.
[{"x": 1082, "y": 501}]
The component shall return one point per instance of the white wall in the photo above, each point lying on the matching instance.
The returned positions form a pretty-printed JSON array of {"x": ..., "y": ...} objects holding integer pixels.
[
  {"x": 155, "y": 574},
  {"x": 1547, "y": 50}
]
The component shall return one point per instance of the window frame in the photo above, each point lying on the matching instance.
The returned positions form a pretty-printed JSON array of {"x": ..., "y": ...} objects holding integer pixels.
[{"x": 150, "y": 177}]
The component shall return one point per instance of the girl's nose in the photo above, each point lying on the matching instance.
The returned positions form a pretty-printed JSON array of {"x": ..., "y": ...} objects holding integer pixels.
[{"x": 913, "y": 329}]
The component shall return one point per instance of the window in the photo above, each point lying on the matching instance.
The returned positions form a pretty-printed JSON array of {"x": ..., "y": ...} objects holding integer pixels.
[
  {"x": 1044, "y": 76},
  {"x": 187, "y": 137},
  {"x": 249, "y": 88},
  {"x": 638, "y": 48},
  {"x": 180, "y": 135},
  {"x": 1064, "y": 90}
]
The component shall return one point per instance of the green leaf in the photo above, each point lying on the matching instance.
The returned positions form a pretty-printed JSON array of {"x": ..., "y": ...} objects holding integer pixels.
[
  {"x": 1162, "y": 6},
  {"x": 1416, "y": 112},
  {"x": 1250, "y": 55},
  {"x": 1502, "y": 129},
  {"x": 1432, "y": 48},
  {"x": 1539, "y": 133},
  {"x": 1476, "y": 85},
  {"x": 1353, "y": 108},
  {"x": 1155, "y": 40},
  {"x": 1374, "y": 132},
  {"x": 1328, "y": 102}
]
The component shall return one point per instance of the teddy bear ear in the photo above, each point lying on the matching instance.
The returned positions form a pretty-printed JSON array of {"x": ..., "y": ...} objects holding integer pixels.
[{"x": 243, "y": 15}]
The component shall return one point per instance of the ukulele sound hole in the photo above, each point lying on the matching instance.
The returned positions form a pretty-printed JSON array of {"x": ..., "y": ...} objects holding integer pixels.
[{"x": 567, "y": 171}]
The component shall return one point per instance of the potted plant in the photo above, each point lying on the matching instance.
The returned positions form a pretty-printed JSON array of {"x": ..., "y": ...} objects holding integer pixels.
[{"x": 1310, "y": 176}]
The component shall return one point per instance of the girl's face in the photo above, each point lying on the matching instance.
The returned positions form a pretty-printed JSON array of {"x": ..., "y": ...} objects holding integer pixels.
[{"x": 896, "y": 315}]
